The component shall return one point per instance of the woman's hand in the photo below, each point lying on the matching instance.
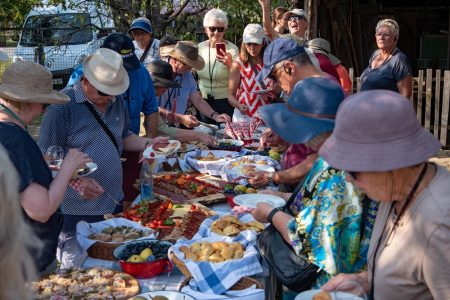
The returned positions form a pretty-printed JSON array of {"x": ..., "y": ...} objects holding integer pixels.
[
  {"x": 261, "y": 212},
  {"x": 222, "y": 118},
  {"x": 357, "y": 283},
  {"x": 258, "y": 178},
  {"x": 205, "y": 138},
  {"x": 91, "y": 188},
  {"x": 264, "y": 3},
  {"x": 189, "y": 121},
  {"x": 225, "y": 59}
]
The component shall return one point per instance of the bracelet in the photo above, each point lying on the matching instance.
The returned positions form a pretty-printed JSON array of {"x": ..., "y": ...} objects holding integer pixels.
[
  {"x": 213, "y": 113},
  {"x": 272, "y": 214}
]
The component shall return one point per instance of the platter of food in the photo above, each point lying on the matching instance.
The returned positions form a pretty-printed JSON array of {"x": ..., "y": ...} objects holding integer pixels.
[
  {"x": 93, "y": 283},
  {"x": 172, "y": 147},
  {"x": 209, "y": 162},
  {"x": 162, "y": 295},
  {"x": 169, "y": 219},
  {"x": 231, "y": 226},
  {"x": 182, "y": 187},
  {"x": 237, "y": 169},
  {"x": 228, "y": 145},
  {"x": 323, "y": 295}
]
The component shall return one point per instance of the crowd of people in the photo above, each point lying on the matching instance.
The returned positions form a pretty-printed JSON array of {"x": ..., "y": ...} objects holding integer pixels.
[{"x": 367, "y": 206}]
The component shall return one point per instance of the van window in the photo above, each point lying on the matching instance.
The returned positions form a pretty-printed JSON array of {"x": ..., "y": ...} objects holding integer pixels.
[{"x": 57, "y": 29}]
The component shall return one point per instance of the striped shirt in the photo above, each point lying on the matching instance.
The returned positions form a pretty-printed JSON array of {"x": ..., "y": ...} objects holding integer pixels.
[{"x": 72, "y": 125}]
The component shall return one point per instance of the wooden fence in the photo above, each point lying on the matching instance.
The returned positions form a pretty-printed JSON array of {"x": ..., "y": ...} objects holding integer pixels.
[{"x": 431, "y": 99}]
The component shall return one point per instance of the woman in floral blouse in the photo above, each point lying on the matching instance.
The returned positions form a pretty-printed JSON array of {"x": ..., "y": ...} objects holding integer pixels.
[{"x": 327, "y": 220}]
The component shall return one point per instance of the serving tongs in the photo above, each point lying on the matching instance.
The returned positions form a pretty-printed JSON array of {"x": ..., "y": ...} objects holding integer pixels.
[{"x": 214, "y": 128}]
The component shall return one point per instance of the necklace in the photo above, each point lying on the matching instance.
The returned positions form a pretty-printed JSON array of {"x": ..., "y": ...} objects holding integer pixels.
[
  {"x": 377, "y": 62},
  {"x": 12, "y": 114},
  {"x": 400, "y": 215}
]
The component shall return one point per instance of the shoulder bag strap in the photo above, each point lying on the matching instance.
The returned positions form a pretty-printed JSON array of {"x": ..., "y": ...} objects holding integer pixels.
[
  {"x": 261, "y": 82},
  {"x": 102, "y": 124},
  {"x": 144, "y": 55},
  {"x": 286, "y": 208}
]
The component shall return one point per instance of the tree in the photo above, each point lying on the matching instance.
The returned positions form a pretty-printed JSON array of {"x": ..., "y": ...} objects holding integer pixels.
[{"x": 13, "y": 12}]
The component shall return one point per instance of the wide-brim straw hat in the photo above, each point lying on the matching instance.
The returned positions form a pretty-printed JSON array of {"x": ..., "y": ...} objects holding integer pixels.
[
  {"x": 378, "y": 131},
  {"x": 323, "y": 46},
  {"x": 29, "y": 82},
  {"x": 105, "y": 71},
  {"x": 309, "y": 111},
  {"x": 162, "y": 74},
  {"x": 187, "y": 53}
]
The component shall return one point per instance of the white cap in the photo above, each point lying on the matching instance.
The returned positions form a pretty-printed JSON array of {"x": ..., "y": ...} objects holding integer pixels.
[
  {"x": 296, "y": 12},
  {"x": 253, "y": 33}
]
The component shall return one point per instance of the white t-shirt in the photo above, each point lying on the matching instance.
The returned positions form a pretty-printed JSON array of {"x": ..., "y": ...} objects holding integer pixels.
[{"x": 153, "y": 52}]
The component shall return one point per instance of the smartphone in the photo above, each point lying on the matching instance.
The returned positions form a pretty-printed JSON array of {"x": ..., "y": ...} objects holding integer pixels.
[{"x": 220, "y": 48}]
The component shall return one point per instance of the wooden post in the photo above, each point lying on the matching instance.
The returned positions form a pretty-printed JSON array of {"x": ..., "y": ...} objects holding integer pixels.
[
  {"x": 352, "y": 78},
  {"x": 419, "y": 95},
  {"x": 445, "y": 108},
  {"x": 428, "y": 95},
  {"x": 311, "y": 9},
  {"x": 437, "y": 106}
]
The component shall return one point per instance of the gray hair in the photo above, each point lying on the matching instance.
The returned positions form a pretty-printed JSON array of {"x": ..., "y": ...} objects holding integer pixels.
[
  {"x": 316, "y": 141},
  {"x": 391, "y": 24},
  {"x": 215, "y": 15}
]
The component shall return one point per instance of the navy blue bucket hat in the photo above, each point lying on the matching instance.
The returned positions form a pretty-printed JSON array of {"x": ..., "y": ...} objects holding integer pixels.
[
  {"x": 310, "y": 110},
  {"x": 141, "y": 23},
  {"x": 278, "y": 50},
  {"x": 123, "y": 45}
]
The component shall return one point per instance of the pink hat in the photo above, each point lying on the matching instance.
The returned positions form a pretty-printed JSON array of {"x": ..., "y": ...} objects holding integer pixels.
[{"x": 377, "y": 131}]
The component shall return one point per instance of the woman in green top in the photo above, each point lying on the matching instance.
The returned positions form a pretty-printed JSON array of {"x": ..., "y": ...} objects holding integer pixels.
[{"x": 213, "y": 78}]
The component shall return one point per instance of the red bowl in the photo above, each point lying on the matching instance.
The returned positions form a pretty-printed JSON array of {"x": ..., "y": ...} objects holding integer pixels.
[
  {"x": 146, "y": 269},
  {"x": 143, "y": 269}
]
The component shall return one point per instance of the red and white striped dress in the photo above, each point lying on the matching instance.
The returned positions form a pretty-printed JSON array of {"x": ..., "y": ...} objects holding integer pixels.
[{"x": 246, "y": 93}]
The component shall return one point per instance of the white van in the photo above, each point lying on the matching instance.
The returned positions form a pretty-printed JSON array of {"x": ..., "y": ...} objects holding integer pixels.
[{"x": 60, "y": 37}]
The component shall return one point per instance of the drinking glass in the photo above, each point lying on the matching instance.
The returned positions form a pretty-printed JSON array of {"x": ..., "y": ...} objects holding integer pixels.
[{"x": 54, "y": 157}]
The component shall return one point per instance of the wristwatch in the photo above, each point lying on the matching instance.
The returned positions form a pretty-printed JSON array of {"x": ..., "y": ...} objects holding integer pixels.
[
  {"x": 213, "y": 113},
  {"x": 270, "y": 177},
  {"x": 272, "y": 213}
]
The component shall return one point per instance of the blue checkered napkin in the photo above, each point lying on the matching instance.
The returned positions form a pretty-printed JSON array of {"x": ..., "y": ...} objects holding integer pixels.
[
  {"x": 247, "y": 236},
  {"x": 217, "y": 278}
]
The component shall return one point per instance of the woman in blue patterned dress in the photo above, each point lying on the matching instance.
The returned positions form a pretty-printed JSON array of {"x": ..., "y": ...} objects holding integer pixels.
[{"x": 327, "y": 219}]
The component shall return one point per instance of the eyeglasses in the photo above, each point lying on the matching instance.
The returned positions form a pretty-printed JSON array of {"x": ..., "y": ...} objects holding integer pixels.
[
  {"x": 274, "y": 71},
  {"x": 380, "y": 34},
  {"x": 352, "y": 174},
  {"x": 218, "y": 29}
]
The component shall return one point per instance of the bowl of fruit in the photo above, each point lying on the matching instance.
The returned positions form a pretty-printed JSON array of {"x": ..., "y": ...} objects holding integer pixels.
[{"x": 144, "y": 258}]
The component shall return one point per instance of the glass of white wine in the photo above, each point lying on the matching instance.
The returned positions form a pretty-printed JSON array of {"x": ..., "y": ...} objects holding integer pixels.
[{"x": 54, "y": 157}]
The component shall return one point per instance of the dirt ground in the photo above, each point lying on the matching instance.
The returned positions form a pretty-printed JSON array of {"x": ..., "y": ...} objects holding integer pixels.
[{"x": 442, "y": 158}]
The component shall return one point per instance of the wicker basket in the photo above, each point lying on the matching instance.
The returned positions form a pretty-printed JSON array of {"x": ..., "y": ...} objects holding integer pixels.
[
  {"x": 103, "y": 250},
  {"x": 180, "y": 265},
  {"x": 242, "y": 284}
]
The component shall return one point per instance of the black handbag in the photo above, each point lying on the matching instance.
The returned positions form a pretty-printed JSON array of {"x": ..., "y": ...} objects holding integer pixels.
[{"x": 293, "y": 271}]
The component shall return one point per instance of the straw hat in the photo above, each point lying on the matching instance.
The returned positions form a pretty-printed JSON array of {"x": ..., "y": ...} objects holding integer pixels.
[
  {"x": 29, "y": 82},
  {"x": 162, "y": 74},
  {"x": 187, "y": 53},
  {"x": 323, "y": 46},
  {"x": 378, "y": 131},
  {"x": 3, "y": 56},
  {"x": 105, "y": 71}
]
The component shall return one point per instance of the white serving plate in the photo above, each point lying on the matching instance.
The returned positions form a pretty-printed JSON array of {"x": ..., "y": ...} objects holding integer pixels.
[{"x": 251, "y": 200}]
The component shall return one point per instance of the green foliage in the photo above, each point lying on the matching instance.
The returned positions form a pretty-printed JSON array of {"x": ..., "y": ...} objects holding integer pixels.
[{"x": 14, "y": 12}]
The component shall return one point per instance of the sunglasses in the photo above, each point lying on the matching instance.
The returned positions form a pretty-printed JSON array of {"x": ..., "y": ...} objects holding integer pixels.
[
  {"x": 218, "y": 29},
  {"x": 295, "y": 18}
]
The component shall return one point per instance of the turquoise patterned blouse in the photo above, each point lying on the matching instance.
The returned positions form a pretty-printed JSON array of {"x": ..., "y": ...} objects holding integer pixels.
[{"x": 326, "y": 229}]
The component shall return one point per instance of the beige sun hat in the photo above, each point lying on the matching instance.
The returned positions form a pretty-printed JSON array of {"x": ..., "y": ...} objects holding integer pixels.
[
  {"x": 3, "y": 56},
  {"x": 29, "y": 82},
  {"x": 323, "y": 46},
  {"x": 187, "y": 53},
  {"x": 105, "y": 71},
  {"x": 166, "y": 50}
]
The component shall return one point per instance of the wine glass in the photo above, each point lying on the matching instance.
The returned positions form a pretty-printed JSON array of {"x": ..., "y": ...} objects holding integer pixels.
[{"x": 54, "y": 157}]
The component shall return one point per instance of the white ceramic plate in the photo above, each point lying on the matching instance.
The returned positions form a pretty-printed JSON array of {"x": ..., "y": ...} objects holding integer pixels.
[
  {"x": 308, "y": 295},
  {"x": 173, "y": 144},
  {"x": 91, "y": 166},
  {"x": 171, "y": 295},
  {"x": 251, "y": 200}
]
